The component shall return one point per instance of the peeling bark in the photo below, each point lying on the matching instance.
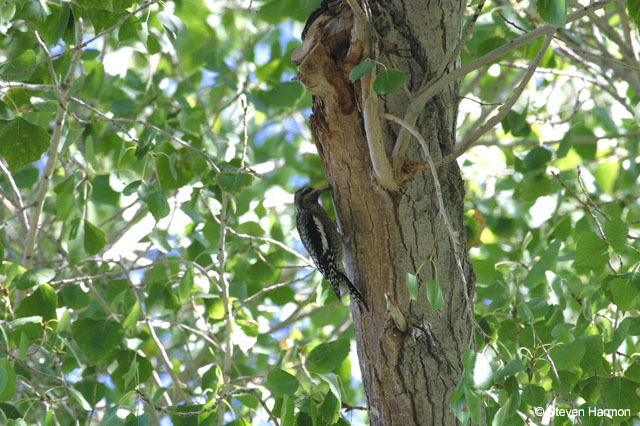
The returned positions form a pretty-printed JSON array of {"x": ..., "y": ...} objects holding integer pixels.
[{"x": 408, "y": 376}]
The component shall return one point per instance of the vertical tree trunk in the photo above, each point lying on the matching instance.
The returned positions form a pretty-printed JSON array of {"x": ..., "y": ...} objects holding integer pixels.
[{"x": 409, "y": 374}]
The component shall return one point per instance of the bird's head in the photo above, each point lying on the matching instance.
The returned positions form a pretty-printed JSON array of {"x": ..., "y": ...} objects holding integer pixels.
[{"x": 307, "y": 196}]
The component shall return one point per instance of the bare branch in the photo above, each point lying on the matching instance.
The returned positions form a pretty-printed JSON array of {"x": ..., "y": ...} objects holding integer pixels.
[
  {"x": 27, "y": 86},
  {"x": 504, "y": 110}
]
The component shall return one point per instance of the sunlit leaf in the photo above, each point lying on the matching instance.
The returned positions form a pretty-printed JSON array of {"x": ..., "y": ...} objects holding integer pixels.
[
  {"x": 34, "y": 277},
  {"x": 281, "y": 383},
  {"x": 553, "y": 12}
]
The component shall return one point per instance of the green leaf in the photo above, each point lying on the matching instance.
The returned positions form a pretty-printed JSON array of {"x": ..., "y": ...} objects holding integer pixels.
[
  {"x": 606, "y": 174},
  {"x": 478, "y": 369},
  {"x": 621, "y": 393},
  {"x": 186, "y": 284},
  {"x": 616, "y": 232},
  {"x": 79, "y": 399},
  {"x": 546, "y": 263},
  {"x": 329, "y": 410},
  {"x": 389, "y": 81},
  {"x": 326, "y": 357},
  {"x": 130, "y": 30},
  {"x": 178, "y": 164},
  {"x": 22, "y": 142},
  {"x": 52, "y": 29},
  {"x": 412, "y": 285},
  {"x": 34, "y": 277},
  {"x": 618, "y": 336},
  {"x": 567, "y": 356},
  {"x": 501, "y": 416},
  {"x": 141, "y": 420},
  {"x": 361, "y": 69},
  {"x": 213, "y": 379},
  {"x": 173, "y": 26},
  {"x": 516, "y": 124},
  {"x": 286, "y": 412},
  {"x": 133, "y": 370},
  {"x": 591, "y": 252},
  {"x": 249, "y": 327},
  {"x": 43, "y": 302},
  {"x": 533, "y": 395},
  {"x": 537, "y": 158},
  {"x": 33, "y": 10},
  {"x": 131, "y": 321},
  {"x": 97, "y": 338},
  {"x": 434, "y": 294},
  {"x": 94, "y": 238},
  {"x": 98, "y": 4},
  {"x": 553, "y": 12},
  {"x": 155, "y": 200},
  {"x": 234, "y": 182},
  {"x": 7, "y": 13},
  {"x": 514, "y": 366},
  {"x": 65, "y": 206},
  {"x": 633, "y": 10},
  {"x": 281, "y": 383},
  {"x": 75, "y": 241},
  {"x": 20, "y": 63},
  {"x": 332, "y": 380},
  {"x": 102, "y": 191},
  {"x": 37, "y": 319},
  {"x": 132, "y": 188},
  {"x": 7, "y": 380},
  {"x": 565, "y": 144},
  {"x": 626, "y": 293},
  {"x": 251, "y": 228},
  {"x": 73, "y": 297}
]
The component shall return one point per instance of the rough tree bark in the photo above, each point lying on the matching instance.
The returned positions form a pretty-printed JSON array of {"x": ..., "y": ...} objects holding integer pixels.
[{"x": 408, "y": 373}]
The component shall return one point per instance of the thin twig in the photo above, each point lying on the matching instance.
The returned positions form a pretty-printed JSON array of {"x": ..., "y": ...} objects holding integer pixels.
[
  {"x": 16, "y": 191},
  {"x": 271, "y": 288},
  {"x": 177, "y": 384},
  {"x": 26, "y": 86},
  {"x": 595, "y": 218},
  {"x": 245, "y": 113},
  {"x": 63, "y": 100},
  {"x": 43, "y": 46},
  {"x": 224, "y": 294},
  {"x": 308, "y": 263}
]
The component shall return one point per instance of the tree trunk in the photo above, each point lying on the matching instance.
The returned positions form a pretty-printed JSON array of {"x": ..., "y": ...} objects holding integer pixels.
[{"x": 410, "y": 372}]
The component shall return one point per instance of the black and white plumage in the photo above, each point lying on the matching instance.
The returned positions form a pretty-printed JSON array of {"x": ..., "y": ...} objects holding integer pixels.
[{"x": 322, "y": 240}]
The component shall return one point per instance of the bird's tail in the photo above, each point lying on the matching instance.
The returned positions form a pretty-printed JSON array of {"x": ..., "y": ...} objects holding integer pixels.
[{"x": 345, "y": 282}]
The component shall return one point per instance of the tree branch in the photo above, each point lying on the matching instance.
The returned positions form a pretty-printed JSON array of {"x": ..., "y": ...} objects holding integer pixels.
[
  {"x": 504, "y": 109},
  {"x": 416, "y": 107},
  {"x": 63, "y": 100}
]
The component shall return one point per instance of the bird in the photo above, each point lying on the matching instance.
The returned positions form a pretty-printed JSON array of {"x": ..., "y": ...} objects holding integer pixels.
[{"x": 325, "y": 245}]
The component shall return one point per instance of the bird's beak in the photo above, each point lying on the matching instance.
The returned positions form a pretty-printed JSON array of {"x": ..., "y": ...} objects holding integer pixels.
[{"x": 322, "y": 190}]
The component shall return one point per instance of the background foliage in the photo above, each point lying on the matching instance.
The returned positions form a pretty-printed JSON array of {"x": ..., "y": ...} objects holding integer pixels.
[{"x": 165, "y": 285}]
